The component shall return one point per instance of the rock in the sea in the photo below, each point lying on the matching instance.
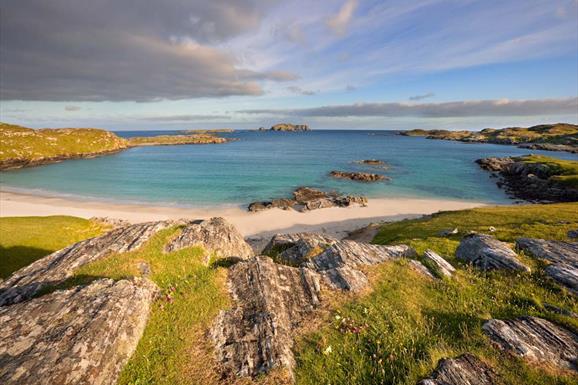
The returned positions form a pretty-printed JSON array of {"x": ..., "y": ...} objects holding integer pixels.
[
  {"x": 566, "y": 275},
  {"x": 294, "y": 249},
  {"x": 290, "y": 127},
  {"x": 553, "y": 251},
  {"x": 358, "y": 176},
  {"x": 216, "y": 236},
  {"x": 83, "y": 335},
  {"x": 441, "y": 265},
  {"x": 536, "y": 340},
  {"x": 466, "y": 369},
  {"x": 58, "y": 266},
  {"x": 488, "y": 253},
  {"x": 282, "y": 203},
  {"x": 373, "y": 162},
  {"x": 270, "y": 302}
]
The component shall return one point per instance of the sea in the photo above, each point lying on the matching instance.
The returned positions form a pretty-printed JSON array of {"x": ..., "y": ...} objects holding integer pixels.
[{"x": 264, "y": 165}]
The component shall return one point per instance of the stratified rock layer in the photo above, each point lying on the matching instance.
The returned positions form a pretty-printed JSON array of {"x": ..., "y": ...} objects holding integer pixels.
[
  {"x": 216, "y": 236},
  {"x": 271, "y": 300},
  {"x": 487, "y": 253},
  {"x": 567, "y": 275},
  {"x": 466, "y": 369},
  {"x": 536, "y": 340},
  {"x": 553, "y": 251},
  {"x": 442, "y": 266},
  {"x": 295, "y": 249},
  {"x": 58, "y": 266},
  {"x": 79, "y": 336}
]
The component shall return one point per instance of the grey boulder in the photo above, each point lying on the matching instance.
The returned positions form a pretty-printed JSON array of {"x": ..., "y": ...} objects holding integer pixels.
[
  {"x": 488, "y": 253},
  {"x": 466, "y": 369}
]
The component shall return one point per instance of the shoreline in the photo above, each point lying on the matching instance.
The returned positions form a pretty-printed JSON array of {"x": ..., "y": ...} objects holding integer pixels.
[{"x": 333, "y": 221}]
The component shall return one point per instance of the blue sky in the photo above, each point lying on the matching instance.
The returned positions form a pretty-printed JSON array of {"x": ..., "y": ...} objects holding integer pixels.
[{"x": 333, "y": 64}]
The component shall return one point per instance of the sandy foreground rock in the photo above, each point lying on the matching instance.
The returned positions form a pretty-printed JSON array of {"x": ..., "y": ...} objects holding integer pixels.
[
  {"x": 466, "y": 369},
  {"x": 488, "y": 253},
  {"x": 60, "y": 265},
  {"x": 536, "y": 340},
  {"x": 83, "y": 335}
]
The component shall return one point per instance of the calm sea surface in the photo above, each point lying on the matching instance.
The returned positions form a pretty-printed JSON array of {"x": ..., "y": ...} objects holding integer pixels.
[{"x": 263, "y": 165}]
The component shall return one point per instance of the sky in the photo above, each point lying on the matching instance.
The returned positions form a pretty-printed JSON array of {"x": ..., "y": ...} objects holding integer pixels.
[{"x": 332, "y": 64}]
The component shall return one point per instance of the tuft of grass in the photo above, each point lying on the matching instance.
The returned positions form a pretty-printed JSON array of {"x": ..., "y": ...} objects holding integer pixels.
[
  {"x": 397, "y": 333},
  {"x": 23, "y": 240}
]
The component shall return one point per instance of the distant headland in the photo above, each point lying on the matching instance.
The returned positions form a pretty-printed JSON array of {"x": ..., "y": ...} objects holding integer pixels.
[{"x": 287, "y": 127}]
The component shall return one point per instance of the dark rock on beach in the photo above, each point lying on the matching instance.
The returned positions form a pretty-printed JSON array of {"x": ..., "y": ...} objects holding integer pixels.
[
  {"x": 307, "y": 198},
  {"x": 466, "y": 369},
  {"x": 83, "y": 335},
  {"x": 536, "y": 340},
  {"x": 216, "y": 236},
  {"x": 488, "y": 253},
  {"x": 60, "y": 265},
  {"x": 358, "y": 176}
]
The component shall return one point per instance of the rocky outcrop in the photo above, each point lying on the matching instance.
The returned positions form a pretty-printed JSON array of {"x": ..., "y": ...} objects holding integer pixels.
[
  {"x": 529, "y": 180},
  {"x": 466, "y": 369},
  {"x": 373, "y": 163},
  {"x": 270, "y": 302},
  {"x": 290, "y": 127},
  {"x": 550, "y": 147},
  {"x": 566, "y": 275},
  {"x": 295, "y": 249},
  {"x": 307, "y": 198},
  {"x": 358, "y": 176},
  {"x": 552, "y": 251},
  {"x": 84, "y": 335},
  {"x": 112, "y": 222},
  {"x": 488, "y": 253},
  {"x": 58, "y": 266},
  {"x": 536, "y": 340},
  {"x": 216, "y": 236},
  {"x": 440, "y": 265}
]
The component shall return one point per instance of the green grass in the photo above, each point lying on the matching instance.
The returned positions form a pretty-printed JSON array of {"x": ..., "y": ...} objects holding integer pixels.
[
  {"x": 398, "y": 332},
  {"x": 562, "y": 171},
  {"x": 21, "y": 143},
  {"x": 26, "y": 239}
]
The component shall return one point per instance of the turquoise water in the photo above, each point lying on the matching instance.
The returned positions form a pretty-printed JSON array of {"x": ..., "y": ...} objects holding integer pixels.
[{"x": 263, "y": 165}]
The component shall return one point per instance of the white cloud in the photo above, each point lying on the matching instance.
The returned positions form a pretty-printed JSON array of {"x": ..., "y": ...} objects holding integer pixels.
[{"x": 338, "y": 23}]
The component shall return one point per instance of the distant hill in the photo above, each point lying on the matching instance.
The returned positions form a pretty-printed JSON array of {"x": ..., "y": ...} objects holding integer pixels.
[{"x": 287, "y": 127}]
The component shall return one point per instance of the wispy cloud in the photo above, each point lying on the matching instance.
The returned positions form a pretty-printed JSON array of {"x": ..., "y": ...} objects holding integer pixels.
[
  {"x": 72, "y": 108},
  {"x": 338, "y": 23},
  {"x": 469, "y": 108},
  {"x": 184, "y": 118},
  {"x": 421, "y": 97},
  {"x": 300, "y": 91}
]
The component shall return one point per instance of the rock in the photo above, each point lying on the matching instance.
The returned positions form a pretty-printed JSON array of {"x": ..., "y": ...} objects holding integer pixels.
[
  {"x": 559, "y": 310},
  {"x": 553, "y": 251},
  {"x": 374, "y": 163},
  {"x": 295, "y": 249},
  {"x": 304, "y": 194},
  {"x": 536, "y": 340},
  {"x": 290, "y": 127},
  {"x": 448, "y": 232},
  {"x": 350, "y": 200},
  {"x": 58, "y": 266},
  {"x": 282, "y": 203},
  {"x": 83, "y": 335},
  {"x": 466, "y": 369},
  {"x": 487, "y": 253},
  {"x": 358, "y": 176},
  {"x": 364, "y": 234},
  {"x": 216, "y": 236},
  {"x": 572, "y": 234},
  {"x": 491, "y": 229},
  {"x": 441, "y": 265},
  {"x": 420, "y": 268},
  {"x": 270, "y": 302},
  {"x": 114, "y": 222},
  {"x": 318, "y": 203},
  {"x": 566, "y": 275}
]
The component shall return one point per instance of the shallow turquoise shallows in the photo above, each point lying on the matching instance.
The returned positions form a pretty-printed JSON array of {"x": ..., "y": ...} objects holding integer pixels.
[{"x": 263, "y": 165}]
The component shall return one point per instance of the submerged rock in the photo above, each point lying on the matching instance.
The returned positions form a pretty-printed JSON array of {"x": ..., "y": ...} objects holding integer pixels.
[
  {"x": 270, "y": 301},
  {"x": 466, "y": 369},
  {"x": 58, "y": 266},
  {"x": 216, "y": 236},
  {"x": 83, "y": 335},
  {"x": 535, "y": 340},
  {"x": 488, "y": 253},
  {"x": 441, "y": 265},
  {"x": 553, "y": 251},
  {"x": 358, "y": 176}
]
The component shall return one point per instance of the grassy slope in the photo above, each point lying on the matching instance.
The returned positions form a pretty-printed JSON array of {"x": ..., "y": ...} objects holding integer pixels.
[
  {"x": 397, "y": 333},
  {"x": 26, "y": 239},
  {"x": 563, "y": 171},
  {"x": 392, "y": 335},
  {"x": 24, "y": 143}
]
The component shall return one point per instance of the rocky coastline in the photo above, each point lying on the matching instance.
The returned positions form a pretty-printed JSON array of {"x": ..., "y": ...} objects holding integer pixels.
[
  {"x": 358, "y": 176},
  {"x": 287, "y": 127}
]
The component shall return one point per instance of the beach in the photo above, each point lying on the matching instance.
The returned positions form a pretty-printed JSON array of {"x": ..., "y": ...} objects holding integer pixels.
[{"x": 335, "y": 221}]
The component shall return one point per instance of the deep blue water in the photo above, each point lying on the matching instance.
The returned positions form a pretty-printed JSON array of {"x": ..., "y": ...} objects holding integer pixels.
[{"x": 262, "y": 165}]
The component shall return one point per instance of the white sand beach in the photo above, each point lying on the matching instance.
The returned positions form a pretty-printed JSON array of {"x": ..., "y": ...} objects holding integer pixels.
[{"x": 335, "y": 221}]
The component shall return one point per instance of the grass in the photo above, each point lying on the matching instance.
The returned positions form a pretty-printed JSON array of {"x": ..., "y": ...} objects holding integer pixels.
[
  {"x": 398, "y": 332},
  {"x": 26, "y": 239},
  {"x": 21, "y": 143},
  {"x": 561, "y": 171}
]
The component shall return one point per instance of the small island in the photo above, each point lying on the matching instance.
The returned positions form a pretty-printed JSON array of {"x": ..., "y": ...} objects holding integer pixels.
[
  {"x": 289, "y": 127},
  {"x": 549, "y": 137}
]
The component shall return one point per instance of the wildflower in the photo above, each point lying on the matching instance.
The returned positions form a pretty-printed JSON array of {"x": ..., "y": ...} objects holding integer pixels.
[{"x": 328, "y": 350}]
